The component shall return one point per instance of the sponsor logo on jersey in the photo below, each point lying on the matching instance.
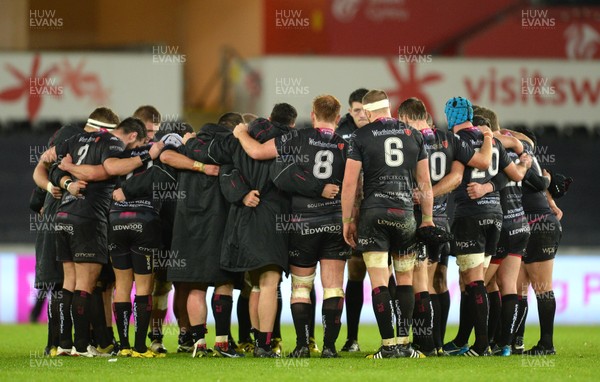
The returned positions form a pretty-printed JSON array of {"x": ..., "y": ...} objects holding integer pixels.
[
  {"x": 82, "y": 255},
  {"x": 68, "y": 228},
  {"x": 327, "y": 145},
  {"x": 329, "y": 228},
  {"x": 378, "y": 133},
  {"x": 136, "y": 227},
  {"x": 395, "y": 224}
]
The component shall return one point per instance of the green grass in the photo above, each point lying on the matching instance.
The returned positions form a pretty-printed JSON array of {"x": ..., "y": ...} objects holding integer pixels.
[{"x": 578, "y": 360}]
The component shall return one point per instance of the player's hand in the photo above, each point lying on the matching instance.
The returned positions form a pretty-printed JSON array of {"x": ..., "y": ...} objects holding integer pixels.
[
  {"x": 350, "y": 234},
  {"x": 118, "y": 195},
  {"x": 76, "y": 188},
  {"x": 487, "y": 132},
  {"x": 330, "y": 191},
  {"x": 212, "y": 169},
  {"x": 526, "y": 160},
  {"x": 251, "y": 199},
  {"x": 546, "y": 174},
  {"x": 156, "y": 149},
  {"x": 56, "y": 192},
  {"x": 427, "y": 224},
  {"x": 241, "y": 127},
  {"x": 556, "y": 211},
  {"x": 66, "y": 163},
  {"x": 187, "y": 136},
  {"x": 475, "y": 190}
]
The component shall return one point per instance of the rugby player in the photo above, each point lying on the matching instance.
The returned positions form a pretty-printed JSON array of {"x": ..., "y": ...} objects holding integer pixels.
[
  {"x": 320, "y": 239},
  {"x": 544, "y": 218},
  {"x": 48, "y": 272},
  {"x": 389, "y": 153},
  {"x": 82, "y": 242},
  {"x": 354, "y": 119},
  {"x": 476, "y": 228},
  {"x": 443, "y": 148}
]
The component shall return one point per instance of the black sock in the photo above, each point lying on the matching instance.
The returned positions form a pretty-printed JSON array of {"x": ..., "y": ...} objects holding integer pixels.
[
  {"x": 354, "y": 303},
  {"x": 404, "y": 304},
  {"x": 313, "y": 312},
  {"x": 98, "y": 318},
  {"x": 332, "y": 320},
  {"x": 80, "y": 310},
  {"x": 495, "y": 314},
  {"x": 111, "y": 334},
  {"x": 197, "y": 332},
  {"x": 444, "y": 312},
  {"x": 509, "y": 319},
  {"x": 301, "y": 314},
  {"x": 263, "y": 340},
  {"x": 523, "y": 308},
  {"x": 277, "y": 324},
  {"x": 222, "y": 305},
  {"x": 243, "y": 314},
  {"x": 382, "y": 306},
  {"x": 435, "y": 310},
  {"x": 65, "y": 319},
  {"x": 48, "y": 326},
  {"x": 39, "y": 304},
  {"x": 392, "y": 286},
  {"x": 122, "y": 312},
  {"x": 465, "y": 321},
  {"x": 480, "y": 307},
  {"x": 546, "y": 311},
  {"x": 54, "y": 317},
  {"x": 142, "y": 310},
  {"x": 423, "y": 322}
]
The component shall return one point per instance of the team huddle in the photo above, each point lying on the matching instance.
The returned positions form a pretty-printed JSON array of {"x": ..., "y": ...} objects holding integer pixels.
[{"x": 248, "y": 199}]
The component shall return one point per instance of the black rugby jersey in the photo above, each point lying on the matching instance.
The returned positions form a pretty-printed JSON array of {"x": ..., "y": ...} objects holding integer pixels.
[
  {"x": 323, "y": 153},
  {"x": 389, "y": 151}
]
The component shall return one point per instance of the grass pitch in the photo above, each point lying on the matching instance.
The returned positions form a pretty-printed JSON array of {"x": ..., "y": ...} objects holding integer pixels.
[{"x": 578, "y": 348}]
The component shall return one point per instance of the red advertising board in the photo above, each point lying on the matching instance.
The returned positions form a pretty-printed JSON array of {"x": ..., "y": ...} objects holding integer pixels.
[
  {"x": 372, "y": 27},
  {"x": 561, "y": 32}
]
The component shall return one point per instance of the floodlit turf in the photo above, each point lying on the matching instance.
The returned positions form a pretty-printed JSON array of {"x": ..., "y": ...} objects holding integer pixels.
[{"x": 578, "y": 359}]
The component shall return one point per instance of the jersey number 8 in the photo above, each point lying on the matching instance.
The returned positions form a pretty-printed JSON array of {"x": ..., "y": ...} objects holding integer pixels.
[{"x": 323, "y": 164}]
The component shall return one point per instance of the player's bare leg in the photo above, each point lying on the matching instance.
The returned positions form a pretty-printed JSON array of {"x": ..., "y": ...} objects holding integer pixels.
[
  {"x": 267, "y": 309},
  {"x": 185, "y": 343},
  {"x": 160, "y": 301}
]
